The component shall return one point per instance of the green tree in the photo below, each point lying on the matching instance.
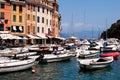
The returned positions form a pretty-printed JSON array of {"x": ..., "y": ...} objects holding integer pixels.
[{"x": 113, "y": 31}]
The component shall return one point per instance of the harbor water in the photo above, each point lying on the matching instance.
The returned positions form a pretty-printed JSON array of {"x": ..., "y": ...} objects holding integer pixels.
[{"x": 67, "y": 70}]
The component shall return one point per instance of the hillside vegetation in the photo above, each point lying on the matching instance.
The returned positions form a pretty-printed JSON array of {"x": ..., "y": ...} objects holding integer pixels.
[{"x": 113, "y": 31}]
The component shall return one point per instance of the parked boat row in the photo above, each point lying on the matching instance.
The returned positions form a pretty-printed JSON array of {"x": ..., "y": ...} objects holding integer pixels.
[{"x": 20, "y": 58}]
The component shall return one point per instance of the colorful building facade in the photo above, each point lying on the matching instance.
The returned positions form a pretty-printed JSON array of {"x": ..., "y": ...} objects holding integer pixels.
[
  {"x": 30, "y": 17},
  {"x": 4, "y": 15},
  {"x": 18, "y": 16}
]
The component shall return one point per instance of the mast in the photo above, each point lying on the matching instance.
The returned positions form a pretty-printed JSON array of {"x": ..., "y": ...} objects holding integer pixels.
[
  {"x": 73, "y": 34},
  {"x": 84, "y": 21},
  {"x": 106, "y": 30}
]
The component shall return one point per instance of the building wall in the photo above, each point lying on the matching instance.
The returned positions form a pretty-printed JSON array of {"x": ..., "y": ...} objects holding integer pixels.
[
  {"x": 17, "y": 24},
  {"x": 47, "y": 15},
  {"x": 6, "y": 10},
  {"x": 30, "y": 26},
  {"x": 56, "y": 19},
  {"x": 30, "y": 19}
]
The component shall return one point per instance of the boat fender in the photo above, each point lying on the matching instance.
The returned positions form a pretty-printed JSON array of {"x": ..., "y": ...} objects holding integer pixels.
[{"x": 33, "y": 71}]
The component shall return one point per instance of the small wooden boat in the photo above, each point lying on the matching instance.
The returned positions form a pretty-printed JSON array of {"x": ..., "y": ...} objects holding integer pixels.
[
  {"x": 10, "y": 65},
  {"x": 95, "y": 63},
  {"x": 114, "y": 54}
]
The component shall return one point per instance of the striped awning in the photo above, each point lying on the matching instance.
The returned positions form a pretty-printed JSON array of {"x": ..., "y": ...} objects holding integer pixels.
[{"x": 32, "y": 36}]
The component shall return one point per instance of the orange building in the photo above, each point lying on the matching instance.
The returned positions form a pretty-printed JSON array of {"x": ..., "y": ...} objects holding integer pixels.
[
  {"x": 56, "y": 18},
  {"x": 31, "y": 16},
  {"x": 4, "y": 16}
]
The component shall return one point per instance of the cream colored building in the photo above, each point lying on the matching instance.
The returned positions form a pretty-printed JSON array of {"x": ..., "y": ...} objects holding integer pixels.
[{"x": 44, "y": 18}]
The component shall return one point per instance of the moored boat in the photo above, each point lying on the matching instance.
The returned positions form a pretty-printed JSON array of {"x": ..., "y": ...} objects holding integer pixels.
[
  {"x": 95, "y": 63},
  {"x": 85, "y": 53},
  {"x": 10, "y": 65},
  {"x": 55, "y": 57},
  {"x": 114, "y": 54}
]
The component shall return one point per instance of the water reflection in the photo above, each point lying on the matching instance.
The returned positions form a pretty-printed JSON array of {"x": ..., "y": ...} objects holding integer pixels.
[{"x": 68, "y": 70}]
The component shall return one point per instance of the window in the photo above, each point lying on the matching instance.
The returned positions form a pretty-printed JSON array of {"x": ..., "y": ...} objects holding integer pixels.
[
  {"x": 20, "y": 8},
  {"x": 28, "y": 17},
  {"x": 14, "y": 18},
  {"x": 50, "y": 22},
  {"x": 28, "y": 30},
  {"x": 1, "y": 15},
  {"x": 42, "y": 29},
  {"x": 33, "y": 17},
  {"x": 47, "y": 11},
  {"x": 38, "y": 8},
  {"x": 33, "y": 29},
  {"x": 42, "y": 19},
  {"x": 14, "y": 7},
  {"x": 28, "y": 7},
  {"x": 33, "y": 8},
  {"x": 38, "y": 19},
  {"x": 49, "y": 31},
  {"x": 38, "y": 29},
  {"x": 20, "y": 18},
  {"x": 46, "y": 21},
  {"x": 43, "y": 10},
  {"x": 51, "y": 12},
  {"x": 2, "y": 6}
]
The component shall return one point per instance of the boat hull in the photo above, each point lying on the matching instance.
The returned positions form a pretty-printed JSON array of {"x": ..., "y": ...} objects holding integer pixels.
[
  {"x": 56, "y": 58},
  {"x": 95, "y": 63},
  {"x": 94, "y": 66},
  {"x": 114, "y": 54},
  {"x": 10, "y": 67},
  {"x": 87, "y": 55}
]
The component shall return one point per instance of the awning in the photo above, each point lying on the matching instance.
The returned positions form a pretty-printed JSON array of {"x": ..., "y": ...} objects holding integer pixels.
[
  {"x": 9, "y": 36},
  {"x": 50, "y": 35},
  {"x": 14, "y": 28},
  {"x": 20, "y": 28},
  {"x": 24, "y": 38},
  {"x": 61, "y": 38},
  {"x": 72, "y": 37},
  {"x": 42, "y": 37},
  {"x": 32, "y": 37}
]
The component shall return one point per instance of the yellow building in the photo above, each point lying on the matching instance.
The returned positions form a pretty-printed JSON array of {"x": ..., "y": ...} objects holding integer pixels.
[{"x": 18, "y": 17}]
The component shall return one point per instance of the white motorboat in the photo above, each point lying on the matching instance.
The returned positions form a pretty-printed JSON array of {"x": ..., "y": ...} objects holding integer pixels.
[
  {"x": 95, "y": 63},
  {"x": 85, "y": 53},
  {"x": 10, "y": 65},
  {"x": 56, "y": 57}
]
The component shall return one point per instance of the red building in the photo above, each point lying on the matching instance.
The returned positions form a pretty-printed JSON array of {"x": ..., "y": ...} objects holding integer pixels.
[{"x": 4, "y": 15}]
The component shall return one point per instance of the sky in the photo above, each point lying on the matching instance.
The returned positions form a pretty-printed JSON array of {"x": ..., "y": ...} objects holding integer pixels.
[{"x": 88, "y": 18}]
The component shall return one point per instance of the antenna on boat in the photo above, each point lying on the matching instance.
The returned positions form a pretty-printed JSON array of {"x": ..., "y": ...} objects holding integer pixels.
[
  {"x": 92, "y": 33},
  {"x": 72, "y": 25},
  {"x": 106, "y": 30},
  {"x": 84, "y": 21}
]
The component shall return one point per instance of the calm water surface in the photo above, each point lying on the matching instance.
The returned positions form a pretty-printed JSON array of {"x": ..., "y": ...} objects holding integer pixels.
[{"x": 68, "y": 70}]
